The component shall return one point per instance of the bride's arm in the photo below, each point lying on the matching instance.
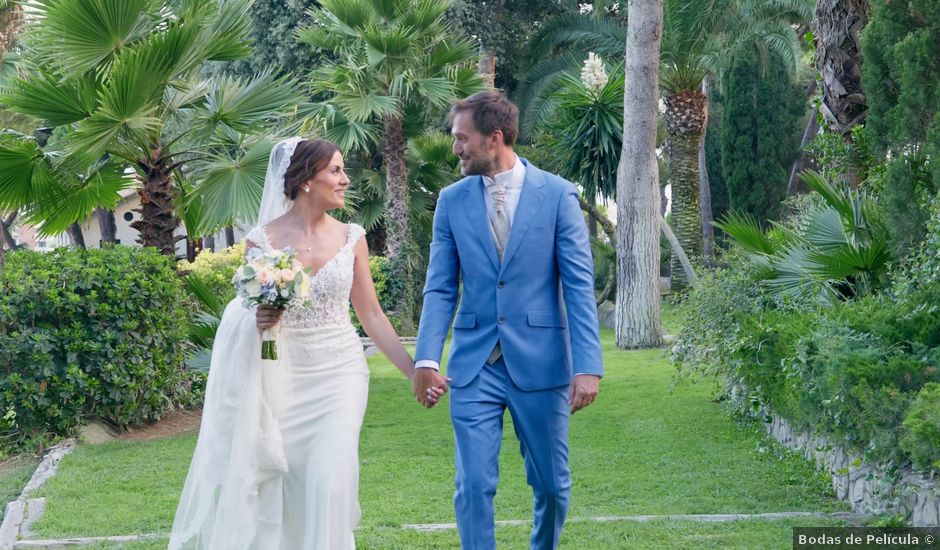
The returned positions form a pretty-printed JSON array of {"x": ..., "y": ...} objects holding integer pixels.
[{"x": 371, "y": 316}]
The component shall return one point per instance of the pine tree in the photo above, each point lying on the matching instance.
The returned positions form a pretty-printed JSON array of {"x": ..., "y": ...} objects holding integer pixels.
[
  {"x": 901, "y": 46},
  {"x": 759, "y": 135}
]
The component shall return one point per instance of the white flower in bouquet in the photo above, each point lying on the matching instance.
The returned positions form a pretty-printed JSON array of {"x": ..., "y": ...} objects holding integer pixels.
[
  {"x": 593, "y": 74},
  {"x": 276, "y": 279}
]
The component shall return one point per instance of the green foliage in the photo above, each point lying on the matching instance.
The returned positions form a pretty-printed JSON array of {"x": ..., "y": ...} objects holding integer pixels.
[
  {"x": 760, "y": 135},
  {"x": 837, "y": 156},
  {"x": 121, "y": 82},
  {"x": 89, "y": 333},
  {"x": 901, "y": 45},
  {"x": 216, "y": 269},
  {"x": 838, "y": 248},
  {"x": 906, "y": 189},
  {"x": 505, "y": 28},
  {"x": 850, "y": 370},
  {"x": 274, "y": 26},
  {"x": 388, "y": 58},
  {"x": 715, "y": 308},
  {"x": 921, "y": 437},
  {"x": 586, "y": 134}
]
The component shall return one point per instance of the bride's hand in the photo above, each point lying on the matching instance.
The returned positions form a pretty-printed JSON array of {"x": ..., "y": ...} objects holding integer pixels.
[{"x": 268, "y": 316}]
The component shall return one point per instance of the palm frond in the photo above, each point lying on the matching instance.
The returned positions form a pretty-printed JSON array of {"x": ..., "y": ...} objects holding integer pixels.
[
  {"x": 229, "y": 186},
  {"x": 243, "y": 104},
  {"x": 89, "y": 33},
  {"x": 42, "y": 95},
  {"x": 746, "y": 232}
]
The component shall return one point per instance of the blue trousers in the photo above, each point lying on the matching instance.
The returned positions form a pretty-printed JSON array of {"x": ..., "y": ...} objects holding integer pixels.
[{"x": 541, "y": 421}]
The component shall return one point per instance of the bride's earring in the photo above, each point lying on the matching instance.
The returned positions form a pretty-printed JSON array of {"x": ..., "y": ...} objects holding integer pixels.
[{"x": 306, "y": 188}]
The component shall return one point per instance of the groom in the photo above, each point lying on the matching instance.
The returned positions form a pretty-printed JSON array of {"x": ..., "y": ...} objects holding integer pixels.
[{"x": 525, "y": 334}]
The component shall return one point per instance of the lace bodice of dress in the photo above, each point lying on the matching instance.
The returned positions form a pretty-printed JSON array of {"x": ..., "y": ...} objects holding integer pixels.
[{"x": 329, "y": 287}]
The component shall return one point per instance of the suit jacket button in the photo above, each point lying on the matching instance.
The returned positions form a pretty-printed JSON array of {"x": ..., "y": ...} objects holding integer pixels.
[
  {"x": 501, "y": 284},
  {"x": 502, "y": 320}
]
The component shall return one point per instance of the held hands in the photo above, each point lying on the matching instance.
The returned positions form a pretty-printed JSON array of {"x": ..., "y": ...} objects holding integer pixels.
[
  {"x": 429, "y": 386},
  {"x": 583, "y": 391},
  {"x": 268, "y": 316}
]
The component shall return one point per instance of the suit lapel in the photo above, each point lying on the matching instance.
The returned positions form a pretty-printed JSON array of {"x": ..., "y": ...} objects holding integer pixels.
[
  {"x": 475, "y": 206},
  {"x": 529, "y": 204}
]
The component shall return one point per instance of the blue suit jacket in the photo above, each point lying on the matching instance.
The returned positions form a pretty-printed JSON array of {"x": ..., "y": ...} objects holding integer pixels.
[{"x": 539, "y": 302}]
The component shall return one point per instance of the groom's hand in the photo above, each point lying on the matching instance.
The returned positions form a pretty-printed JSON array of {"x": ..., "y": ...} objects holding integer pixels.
[
  {"x": 429, "y": 386},
  {"x": 582, "y": 392}
]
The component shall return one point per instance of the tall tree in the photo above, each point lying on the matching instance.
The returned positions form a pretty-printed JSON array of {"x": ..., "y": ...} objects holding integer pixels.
[
  {"x": 837, "y": 30},
  {"x": 273, "y": 34},
  {"x": 698, "y": 37},
  {"x": 761, "y": 113},
  {"x": 392, "y": 57},
  {"x": 501, "y": 30},
  {"x": 120, "y": 81},
  {"x": 638, "y": 300},
  {"x": 901, "y": 46}
]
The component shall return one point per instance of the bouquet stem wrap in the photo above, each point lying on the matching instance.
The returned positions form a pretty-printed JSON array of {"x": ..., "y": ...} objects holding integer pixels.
[{"x": 269, "y": 342}]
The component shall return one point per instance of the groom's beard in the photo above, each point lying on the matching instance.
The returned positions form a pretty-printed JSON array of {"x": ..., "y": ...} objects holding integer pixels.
[{"x": 476, "y": 167}]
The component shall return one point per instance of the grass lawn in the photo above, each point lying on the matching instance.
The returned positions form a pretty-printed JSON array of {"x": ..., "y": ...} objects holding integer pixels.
[
  {"x": 644, "y": 448},
  {"x": 14, "y": 475}
]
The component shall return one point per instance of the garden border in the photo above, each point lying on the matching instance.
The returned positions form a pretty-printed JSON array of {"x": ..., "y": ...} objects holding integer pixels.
[{"x": 867, "y": 488}]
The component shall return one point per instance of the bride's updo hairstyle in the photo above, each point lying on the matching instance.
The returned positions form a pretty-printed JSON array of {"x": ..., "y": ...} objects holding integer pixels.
[{"x": 310, "y": 156}]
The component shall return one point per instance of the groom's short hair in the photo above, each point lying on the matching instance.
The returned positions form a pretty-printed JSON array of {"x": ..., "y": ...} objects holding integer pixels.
[{"x": 491, "y": 111}]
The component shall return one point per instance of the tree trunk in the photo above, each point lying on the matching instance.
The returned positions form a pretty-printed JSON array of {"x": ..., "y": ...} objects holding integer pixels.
[
  {"x": 396, "y": 216},
  {"x": 107, "y": 225},
  {"x": 685, "y": 125},
  {"x": 158, "y": 219},
  {"x": 599, "y": 219},
  {"x": 638, "y": 300},
  {"x": 10, "y": 23},
  {"x": 6, "y": 236},
  {"x": 838, "y": 27},
  {"x": 705, "y": 190},
  {"x": 678, "y": 252},
  {"x": 812, "y": 128},
  {"x": 686, "y": 214},
  {"x": 229, "y": 236},
  {"x": 488, "y": 68},
  {"x": 76, "y": 236}
]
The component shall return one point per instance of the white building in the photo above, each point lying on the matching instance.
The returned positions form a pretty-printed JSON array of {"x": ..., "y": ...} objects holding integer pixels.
[{"x": 125, "y": 213}]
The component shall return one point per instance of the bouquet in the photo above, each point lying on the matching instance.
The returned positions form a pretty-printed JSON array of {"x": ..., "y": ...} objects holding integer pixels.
[{"x": 275, "y": 278}]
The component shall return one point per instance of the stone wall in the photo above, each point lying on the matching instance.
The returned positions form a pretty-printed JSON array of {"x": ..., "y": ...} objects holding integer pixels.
[{"x": 867, "y": 489}]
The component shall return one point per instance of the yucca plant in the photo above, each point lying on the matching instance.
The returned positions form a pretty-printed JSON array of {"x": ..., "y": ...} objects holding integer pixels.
[
  {"x": 391, "y": 57},
  {"x": 587, "y": 130},
  {"x": 836, "y": 250},
  {"x": 120, "y": 82}
]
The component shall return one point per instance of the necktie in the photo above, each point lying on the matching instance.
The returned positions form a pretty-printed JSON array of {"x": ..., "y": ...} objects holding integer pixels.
[
  {"x": 500, "y": 223},
  {"x": 500, "y": 219}
]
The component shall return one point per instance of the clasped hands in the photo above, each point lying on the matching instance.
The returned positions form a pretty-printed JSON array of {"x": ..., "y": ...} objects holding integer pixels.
[{"x": 429, "y": 386}]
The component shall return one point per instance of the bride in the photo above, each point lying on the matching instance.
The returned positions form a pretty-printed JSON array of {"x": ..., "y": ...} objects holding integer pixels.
[{"x": 276, "y": 464}]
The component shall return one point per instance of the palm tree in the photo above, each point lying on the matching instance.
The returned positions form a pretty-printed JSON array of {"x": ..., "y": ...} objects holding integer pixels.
[
  {"x": 391, "y": 57},
  {"x": 838, "y": 27},
  {"x": 837, "y": 249},
  {"x": 698, "y": 39},
  {"x": 119, "y": 80}
]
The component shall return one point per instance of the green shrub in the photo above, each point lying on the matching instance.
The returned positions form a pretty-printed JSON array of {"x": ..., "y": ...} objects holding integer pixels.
[
  {"x": 89, "y": 333},
  {"x": 921, "y": 437},
  {"x": 216, "y": 269},
  {"x": 722, "y": 298}
]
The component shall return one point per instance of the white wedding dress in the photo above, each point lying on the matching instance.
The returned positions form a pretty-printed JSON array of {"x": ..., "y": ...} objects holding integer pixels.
[{"x": 276, "y": 465}]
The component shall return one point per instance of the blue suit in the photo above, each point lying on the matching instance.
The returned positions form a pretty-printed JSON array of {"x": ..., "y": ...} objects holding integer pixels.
[{"x": 539, "y": 304}]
